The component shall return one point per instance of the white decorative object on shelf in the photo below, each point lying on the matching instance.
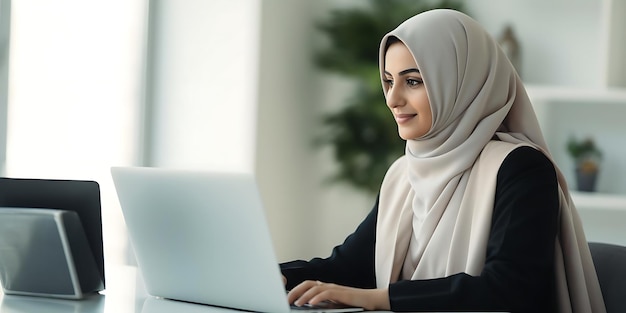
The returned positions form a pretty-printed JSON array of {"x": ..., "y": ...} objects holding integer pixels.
[{"x": 511, "y": 47}]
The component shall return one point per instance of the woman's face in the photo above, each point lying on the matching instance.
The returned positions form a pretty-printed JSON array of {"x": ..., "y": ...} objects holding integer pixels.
[{"x": 405, "y": 93}]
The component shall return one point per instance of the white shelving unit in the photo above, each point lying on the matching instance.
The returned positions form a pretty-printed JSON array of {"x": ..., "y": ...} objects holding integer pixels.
[
  {"x": 574, "y": 67},
  {"x": 601, "y": 114},
  {"x": 577, "y": 82}
]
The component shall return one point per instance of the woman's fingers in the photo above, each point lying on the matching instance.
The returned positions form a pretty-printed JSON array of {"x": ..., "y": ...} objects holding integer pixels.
[
  {"x": 329, "y": 293},
  {"x": 316, "y": 292},
  {"x": 301, "y": 294}
]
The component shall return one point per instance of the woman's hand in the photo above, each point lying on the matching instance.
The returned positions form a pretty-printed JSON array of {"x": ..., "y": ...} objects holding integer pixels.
[{"x": 314, "y": 292}]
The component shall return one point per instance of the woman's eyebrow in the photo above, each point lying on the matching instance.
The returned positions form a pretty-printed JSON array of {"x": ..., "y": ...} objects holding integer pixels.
[
  {"x": 404, "y": 72},
  {"x": 410, "y": 70}
]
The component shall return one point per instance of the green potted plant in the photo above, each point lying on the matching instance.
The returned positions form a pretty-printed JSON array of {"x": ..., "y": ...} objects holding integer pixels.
[{"x": 587, "y": 157}]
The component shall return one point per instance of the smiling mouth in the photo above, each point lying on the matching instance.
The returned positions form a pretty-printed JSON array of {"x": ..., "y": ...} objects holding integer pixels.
[{"x": 403, "y": 118}]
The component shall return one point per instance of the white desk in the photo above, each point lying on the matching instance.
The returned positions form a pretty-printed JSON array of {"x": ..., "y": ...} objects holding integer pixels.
[{"x": 125, "y": 293}]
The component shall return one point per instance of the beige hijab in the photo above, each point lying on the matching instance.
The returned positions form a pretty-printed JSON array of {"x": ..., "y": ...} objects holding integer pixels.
[{"x": 437, "y": 200}]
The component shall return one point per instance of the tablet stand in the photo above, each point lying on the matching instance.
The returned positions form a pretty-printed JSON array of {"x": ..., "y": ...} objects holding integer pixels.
[{"x": 44, "y": 252}]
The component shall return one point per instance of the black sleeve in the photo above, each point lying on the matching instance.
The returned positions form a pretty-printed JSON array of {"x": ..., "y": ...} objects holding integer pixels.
[
  {"x": 350, "y": 264},
  {"x": 518, "y": 275}
]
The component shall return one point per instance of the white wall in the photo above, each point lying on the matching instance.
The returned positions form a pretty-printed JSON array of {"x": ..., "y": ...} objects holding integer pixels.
[
  {"x": 287, "y": 87},
  {"x": 201, "y": 90},
  {"x": 307, "y": 217}
]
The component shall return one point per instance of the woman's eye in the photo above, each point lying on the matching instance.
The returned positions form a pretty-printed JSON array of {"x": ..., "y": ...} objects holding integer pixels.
[
  {"x": 413, "y": 82},
  {"x": 388, "y": 82}
]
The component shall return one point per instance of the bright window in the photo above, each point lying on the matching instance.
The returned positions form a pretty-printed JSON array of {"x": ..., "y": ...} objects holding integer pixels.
[{"x": 75, "y": 94}]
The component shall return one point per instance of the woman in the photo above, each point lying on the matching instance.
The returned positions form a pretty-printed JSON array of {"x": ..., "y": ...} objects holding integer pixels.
[{"x": 475, "y": 215}]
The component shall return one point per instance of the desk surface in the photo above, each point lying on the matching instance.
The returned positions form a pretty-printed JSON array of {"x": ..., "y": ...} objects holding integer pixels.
[{"x": 125, "y": 293}]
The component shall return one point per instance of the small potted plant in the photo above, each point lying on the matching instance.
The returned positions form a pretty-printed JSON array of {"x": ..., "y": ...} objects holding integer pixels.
[{"x": 587, "y": 157}]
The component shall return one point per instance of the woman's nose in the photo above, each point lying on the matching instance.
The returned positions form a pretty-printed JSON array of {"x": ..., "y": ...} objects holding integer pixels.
[{"x": 393, "y": 98}]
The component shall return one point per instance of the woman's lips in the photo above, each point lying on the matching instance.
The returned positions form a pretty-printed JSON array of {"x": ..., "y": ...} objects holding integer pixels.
[{"x": 403, "y": 118}]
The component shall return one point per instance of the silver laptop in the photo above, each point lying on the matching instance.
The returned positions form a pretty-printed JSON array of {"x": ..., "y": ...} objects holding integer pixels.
[{"x": 202, "y": 237}]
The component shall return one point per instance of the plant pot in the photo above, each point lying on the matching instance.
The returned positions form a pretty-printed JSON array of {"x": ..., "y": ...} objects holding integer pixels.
[{"x": 586, "y": 180}]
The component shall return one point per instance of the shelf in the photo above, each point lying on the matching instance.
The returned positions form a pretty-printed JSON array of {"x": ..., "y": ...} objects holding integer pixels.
[
  {"x": 602, "y": 215},
  {"x": 543, "y": 93},
  {"x": 594, "y": 201}
]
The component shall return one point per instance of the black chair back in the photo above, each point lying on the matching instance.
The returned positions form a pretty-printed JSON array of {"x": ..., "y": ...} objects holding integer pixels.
[{"x": 610, "y": 263}]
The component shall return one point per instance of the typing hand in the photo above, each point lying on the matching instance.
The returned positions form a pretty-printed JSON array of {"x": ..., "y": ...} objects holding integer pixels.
[{"x": 315, "y": 292}]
